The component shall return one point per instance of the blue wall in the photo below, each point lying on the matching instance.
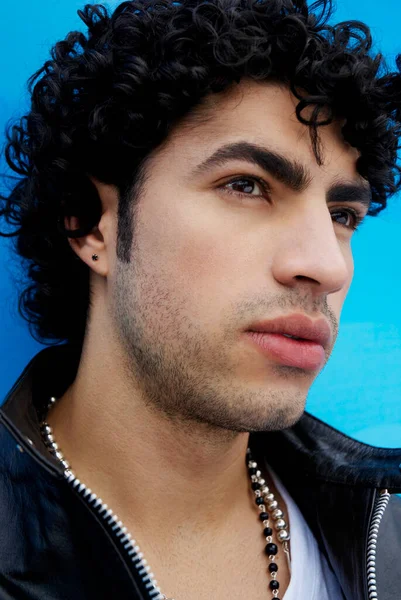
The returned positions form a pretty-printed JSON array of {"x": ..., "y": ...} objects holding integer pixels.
[{"x": 359, "y": 391}]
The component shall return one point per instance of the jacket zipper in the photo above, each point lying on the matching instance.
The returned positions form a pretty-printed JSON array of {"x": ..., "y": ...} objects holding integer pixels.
[
  {"x": 378, "y": 512},
  {"x": 144, "y": 571},
  {"x": 129, "y": 545}
]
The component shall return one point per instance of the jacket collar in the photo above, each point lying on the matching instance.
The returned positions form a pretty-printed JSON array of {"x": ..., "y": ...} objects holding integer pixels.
[{"x": 310, "y": 449}]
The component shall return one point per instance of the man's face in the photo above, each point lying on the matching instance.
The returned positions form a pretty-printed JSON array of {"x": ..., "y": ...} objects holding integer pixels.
[{"x": 221, "y": 246}]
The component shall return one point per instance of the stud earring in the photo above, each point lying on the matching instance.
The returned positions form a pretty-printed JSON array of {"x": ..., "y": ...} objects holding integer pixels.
[{"x": 95, "y": 257}]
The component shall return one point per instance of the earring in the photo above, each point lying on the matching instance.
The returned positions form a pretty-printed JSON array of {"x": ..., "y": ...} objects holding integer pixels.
[{"x": 95, "y": 257}]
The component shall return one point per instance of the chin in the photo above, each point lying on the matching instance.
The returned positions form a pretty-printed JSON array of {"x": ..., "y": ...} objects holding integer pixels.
[
  {"x": 277, "y": 418},
  {"x": 276, "y": 421}
]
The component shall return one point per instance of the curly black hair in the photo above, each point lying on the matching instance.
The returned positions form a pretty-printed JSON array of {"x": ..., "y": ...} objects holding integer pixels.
[{"x": 109, "y": 98}]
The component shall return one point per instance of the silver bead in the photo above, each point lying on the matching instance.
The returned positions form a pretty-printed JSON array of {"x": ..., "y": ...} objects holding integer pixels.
[
  {"x": 265, "y": 490},
  {"x": 258, "y": 473},
  {"x": 50, "y": 438},
  {"x": 269, "y": 497},
  {"x": 252, "y": 464},
  {"x": 280, "y": 524},
  {"x": 262, "y": 507},
  {"x": 272, "y": 505},
  {"x": 283, "y": 535},
  {"x": 277, "y": 514},
  {"x": 59, "y": 455},
  {"x": 262, "y": 482},
  {"x": 254, "y": 479},
  {"x": 257, "y": 493}
]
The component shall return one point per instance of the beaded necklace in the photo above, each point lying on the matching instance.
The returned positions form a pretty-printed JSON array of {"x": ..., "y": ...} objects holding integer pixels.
[{"x": 270, "y": 514}]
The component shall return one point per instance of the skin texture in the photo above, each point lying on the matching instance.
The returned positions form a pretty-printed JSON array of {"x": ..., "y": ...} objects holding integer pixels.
[{"x": 157, "y": 419}]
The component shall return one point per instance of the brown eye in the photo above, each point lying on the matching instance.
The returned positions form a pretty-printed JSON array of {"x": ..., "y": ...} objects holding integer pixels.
[
  {"x": 348, "y": 218},
  {"x": 247, "y": 187}
]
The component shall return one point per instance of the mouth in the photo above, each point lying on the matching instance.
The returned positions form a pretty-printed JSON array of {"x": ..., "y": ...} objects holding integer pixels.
[{"x": 294, "y": 341}]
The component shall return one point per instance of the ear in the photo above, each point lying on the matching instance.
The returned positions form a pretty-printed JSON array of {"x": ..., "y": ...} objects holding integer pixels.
[{"x": 102, "y": 239}]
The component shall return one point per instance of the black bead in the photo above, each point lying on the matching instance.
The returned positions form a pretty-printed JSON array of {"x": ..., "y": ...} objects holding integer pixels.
[
  {"x": 273, "y": 568},
  {"x": 259, "y": 500},
  {"x": 267, "y": 531},
  {"x": 274, "y": 585},
  {"x": 255, "y": 486},
  {"x": 263, "y": 516},
  {"x": 271, "y": 549},
  {"x": 252, "y": 470}
]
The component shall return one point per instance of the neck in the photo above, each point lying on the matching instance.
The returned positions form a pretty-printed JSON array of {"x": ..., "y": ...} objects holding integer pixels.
[{"x": 166, "y": 472}]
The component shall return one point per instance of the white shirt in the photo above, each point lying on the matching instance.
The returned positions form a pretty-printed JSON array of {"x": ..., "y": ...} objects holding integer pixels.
[{"x": 311, "y": 576}]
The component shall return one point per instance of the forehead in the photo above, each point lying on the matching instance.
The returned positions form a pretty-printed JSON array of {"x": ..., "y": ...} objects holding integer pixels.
[{"x": 264, "y": 114}]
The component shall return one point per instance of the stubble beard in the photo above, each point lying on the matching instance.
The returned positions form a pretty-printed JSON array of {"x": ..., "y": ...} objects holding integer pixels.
[{"x": 182, "y": 374}]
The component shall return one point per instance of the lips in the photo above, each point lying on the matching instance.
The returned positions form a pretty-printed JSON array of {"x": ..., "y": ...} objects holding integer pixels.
[
  {"x": 298, "y": 326},
  {"x": 306, "y": 348}
]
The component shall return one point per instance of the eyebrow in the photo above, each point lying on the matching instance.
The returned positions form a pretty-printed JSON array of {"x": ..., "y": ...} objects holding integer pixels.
[
  {"x": 290, "y": 172},
  {"x": 351, "y": 192}
]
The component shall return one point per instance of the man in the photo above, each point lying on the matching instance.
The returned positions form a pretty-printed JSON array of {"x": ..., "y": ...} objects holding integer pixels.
[{"x": 192, "y": 175}]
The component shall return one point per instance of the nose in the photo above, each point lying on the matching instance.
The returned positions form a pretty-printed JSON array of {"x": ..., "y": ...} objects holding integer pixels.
[{"x": 313, "y": 251}]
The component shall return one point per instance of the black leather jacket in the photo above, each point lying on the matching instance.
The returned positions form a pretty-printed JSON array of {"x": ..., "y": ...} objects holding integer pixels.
[{"x": 58, "y": 542}]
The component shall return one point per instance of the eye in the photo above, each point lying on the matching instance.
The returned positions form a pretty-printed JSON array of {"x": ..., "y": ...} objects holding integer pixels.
[
  {"x": 246, "y": 186},
  {"x": 348, "y": 218}
]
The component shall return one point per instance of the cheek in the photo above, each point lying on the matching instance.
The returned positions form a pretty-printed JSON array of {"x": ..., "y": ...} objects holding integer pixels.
[
  {"x": 195, "y": 249},
  {"x": 336, "y": 301},
  {"x": 206, "y": 263}
]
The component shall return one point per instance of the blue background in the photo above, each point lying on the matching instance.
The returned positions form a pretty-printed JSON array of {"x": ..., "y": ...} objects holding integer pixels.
[{"x": 359, "y": 391}]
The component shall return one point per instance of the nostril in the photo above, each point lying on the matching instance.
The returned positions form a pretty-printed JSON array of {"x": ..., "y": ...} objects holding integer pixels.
[{"x": 304, "y": 278}]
